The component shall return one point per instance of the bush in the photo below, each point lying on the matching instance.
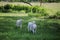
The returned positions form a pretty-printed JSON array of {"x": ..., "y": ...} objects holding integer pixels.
[
  {"x": 37, "y": 9},
  {"x": 27, "y": 9},
  {"x": 41, "y": 10},
  {"x": 8, "y": 8}
]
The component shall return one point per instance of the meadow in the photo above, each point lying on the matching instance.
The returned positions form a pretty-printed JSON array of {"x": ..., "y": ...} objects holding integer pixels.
[{"x": 47, "y": 29}]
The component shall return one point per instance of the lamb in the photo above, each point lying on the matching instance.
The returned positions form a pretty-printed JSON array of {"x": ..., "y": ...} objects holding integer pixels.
[
  {"x": 19, "y": 23},
  {"x": 32, "y": 26}
]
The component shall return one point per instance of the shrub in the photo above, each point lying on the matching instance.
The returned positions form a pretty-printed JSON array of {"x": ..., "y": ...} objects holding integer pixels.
[
  {"x": 7, "y": 8},
  {"x": 37, "y": 9},
  {"x": 27, "y": 9},
  {"x": 41, "y": 10}
]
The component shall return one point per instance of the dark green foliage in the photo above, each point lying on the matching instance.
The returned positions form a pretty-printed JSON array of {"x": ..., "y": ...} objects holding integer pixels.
[
  {"x": 7, "y": 8},
  {"x": 28, "y": 9},
  {"x": 33, "y": 9},
  {"x": 40, "y": 10},
  {"x": 37, "y": 9}
]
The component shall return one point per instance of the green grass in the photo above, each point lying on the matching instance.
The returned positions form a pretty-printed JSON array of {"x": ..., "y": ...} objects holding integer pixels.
[
  {"x": 45, "y": 31},
  {"x": 13, "y": 14}
]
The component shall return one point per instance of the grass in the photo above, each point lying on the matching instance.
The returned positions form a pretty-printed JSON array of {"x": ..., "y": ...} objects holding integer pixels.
[
  {"x": 45, "y": 31},
  {"x": 13, "y": 14}
]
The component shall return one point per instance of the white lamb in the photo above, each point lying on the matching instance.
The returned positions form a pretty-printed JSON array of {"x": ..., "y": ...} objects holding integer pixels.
[
  {"x": 19, "y": 23},
  {"x": 32, "y": 27}
]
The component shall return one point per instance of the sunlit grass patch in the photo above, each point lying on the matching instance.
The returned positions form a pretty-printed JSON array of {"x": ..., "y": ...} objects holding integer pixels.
[{"x": 13, "y": 14}]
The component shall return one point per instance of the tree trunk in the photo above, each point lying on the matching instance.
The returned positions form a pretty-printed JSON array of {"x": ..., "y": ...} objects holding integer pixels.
[
  {"x": 27, "y": 3},
  {"x": 40, "y": 2}
]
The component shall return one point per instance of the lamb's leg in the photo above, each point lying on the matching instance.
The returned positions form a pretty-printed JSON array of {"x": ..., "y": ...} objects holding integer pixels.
[{"x": 34, "y": 31}]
